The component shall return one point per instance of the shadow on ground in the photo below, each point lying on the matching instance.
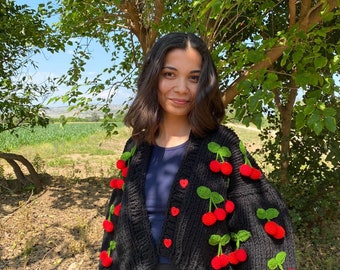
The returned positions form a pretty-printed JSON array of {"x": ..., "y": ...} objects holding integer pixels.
[{"x": 59, "y": 228}]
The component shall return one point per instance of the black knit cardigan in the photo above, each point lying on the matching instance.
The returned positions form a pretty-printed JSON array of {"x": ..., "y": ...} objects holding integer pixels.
[{"x": 185, "y": 237}]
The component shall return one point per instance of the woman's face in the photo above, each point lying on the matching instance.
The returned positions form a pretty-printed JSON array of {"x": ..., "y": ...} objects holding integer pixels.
[{"x": 178, "y": 81}]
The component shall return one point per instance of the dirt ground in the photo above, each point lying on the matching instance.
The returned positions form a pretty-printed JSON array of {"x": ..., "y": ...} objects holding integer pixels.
[{"x": 59, "y": 228}]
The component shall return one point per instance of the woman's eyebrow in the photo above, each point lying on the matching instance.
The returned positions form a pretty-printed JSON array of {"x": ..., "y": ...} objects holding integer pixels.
[{"x": 173, "y": 68}]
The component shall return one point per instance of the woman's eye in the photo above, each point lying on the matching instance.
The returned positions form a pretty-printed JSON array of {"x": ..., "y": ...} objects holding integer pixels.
[
  {"x": 195, "y": 78},
  {"x": 168, "y": 74}
]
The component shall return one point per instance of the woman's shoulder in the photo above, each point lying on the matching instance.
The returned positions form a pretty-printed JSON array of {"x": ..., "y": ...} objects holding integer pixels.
[{"x": 224, "y": 135}]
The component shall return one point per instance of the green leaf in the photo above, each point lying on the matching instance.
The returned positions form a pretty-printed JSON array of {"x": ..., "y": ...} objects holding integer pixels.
[
  {"x": 330, "y": 123},
  {"x": 224, "y": 152},
  {"x": 281, "y": 257},
  {"x": 272, "y": 264},
  {"x": 329, "y": 112},
  {"x": 112, "y": 245},
  {"x": 133, "y": 150},
  {"x": 309, "y": 109},
  {"x": 300, "y": 120},
  {"x": 216, "y": 198},
  {"x": 126, "y": 156},
  {"x": 320, "y": 62},
  {"x": 242, "y": 148},
  {"x": 318, "y": 127},
  {"x": 225, "y": 239},
  {"x": 214, "y": 239},
  {"x": 213, "y": 147},
  {"x": 204, "y": 192},
  {"x": 243, "y": 235},
  {"x": 272, "y": 213},
  {"x": 261, "y": 213}
]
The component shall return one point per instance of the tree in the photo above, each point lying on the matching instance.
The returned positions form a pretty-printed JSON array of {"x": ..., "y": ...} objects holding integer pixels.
[
  {"x": 266, "y": 53},
  {"x": 24, "y": 32}
]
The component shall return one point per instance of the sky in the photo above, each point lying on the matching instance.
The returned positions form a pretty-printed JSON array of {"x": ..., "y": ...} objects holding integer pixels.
[{"x": 55, "y": 65}]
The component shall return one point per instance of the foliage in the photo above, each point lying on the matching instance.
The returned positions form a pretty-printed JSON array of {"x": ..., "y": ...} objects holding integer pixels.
[
  {"x": 50, "y": 134},
  {"x": 24, "y": 32}
]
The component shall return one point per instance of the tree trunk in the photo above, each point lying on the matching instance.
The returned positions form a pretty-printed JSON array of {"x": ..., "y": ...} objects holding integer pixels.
[
  {"x": 13, "y": 160},
  {"x": 285, "y": 108}
]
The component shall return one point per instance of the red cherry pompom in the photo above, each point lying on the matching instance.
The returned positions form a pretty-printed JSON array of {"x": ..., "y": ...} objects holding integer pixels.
[
  {"x": 245, "y": 170},
  {"x": 255, "y": 174},
  {"x": 241, "y": 255},
  {"x": 116, "y": 209},
  {"x": 108, "y": 225},
  {"x": 280, "y": 232},
  {"x": 220, "y": 214},
  {"x": 229, "y": 206},
  {"x": 120, "y": 164},
  {"x": 226, "y": 168},
  {"x": 270, "y": 227},
  {"x": 215, "y": 166},
  {"x": 209, "y": 219}
]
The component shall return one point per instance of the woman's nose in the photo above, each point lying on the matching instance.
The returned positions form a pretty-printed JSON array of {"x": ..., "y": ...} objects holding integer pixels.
[{"x": 182, "y": 86}]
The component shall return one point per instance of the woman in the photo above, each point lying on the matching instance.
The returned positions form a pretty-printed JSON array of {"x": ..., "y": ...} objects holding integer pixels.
[{"x": 188, "y": 195}]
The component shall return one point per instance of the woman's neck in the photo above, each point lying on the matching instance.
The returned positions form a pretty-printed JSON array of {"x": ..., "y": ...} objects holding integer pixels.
[{"x": 173, "y": 132}]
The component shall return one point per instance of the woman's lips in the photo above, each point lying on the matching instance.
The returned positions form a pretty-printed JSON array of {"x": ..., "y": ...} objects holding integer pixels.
[{"x": 179, "y": 101}]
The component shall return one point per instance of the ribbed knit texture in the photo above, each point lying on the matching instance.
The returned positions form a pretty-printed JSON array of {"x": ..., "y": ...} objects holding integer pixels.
[{"x": 190, "y": 249}]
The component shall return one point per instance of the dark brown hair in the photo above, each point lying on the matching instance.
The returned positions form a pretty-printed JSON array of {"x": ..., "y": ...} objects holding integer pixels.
[{"x": 145, "y": 113}]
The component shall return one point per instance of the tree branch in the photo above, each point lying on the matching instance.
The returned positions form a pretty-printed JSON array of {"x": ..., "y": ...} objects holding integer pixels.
[{"x": 313, "y": 17}]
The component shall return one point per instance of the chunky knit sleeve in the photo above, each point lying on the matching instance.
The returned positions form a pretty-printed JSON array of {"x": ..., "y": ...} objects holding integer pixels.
[
  {"x": 261, "y": 212},
  {"x": 107, "y": 251}
]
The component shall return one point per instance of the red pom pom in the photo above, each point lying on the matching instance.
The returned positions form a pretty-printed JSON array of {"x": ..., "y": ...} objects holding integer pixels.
[
  {"x": 233, "y": 258},
  {"x": 270, "y": 227},
  {"x": 103, "y": 255},
  {"x": 125, "y": 172},
  {"x": 209, "y": 219},
  {"x": 105, "y": 259},
  {"x": 107, "y": 262},
  {"x": 216, "y": 263},
  {"x": 224, "y": 259},
  {"x": 280, "y": 232},
  {"x": 241, "y": 255},
  {"x": 120, "y": 164},
  {"x": 245, "y": 170},
  {"x": 229, "y": 206},
  {"x": 108, "y": 225},
  {"x": 116, "y": 209},
  {"x": 220, "y": 214},
  {"x": 255, "y": 174},
  {"x": 226, "y": 168},
  {"x": 215, "y": 166},
  {"x": 117, "y": 183}
]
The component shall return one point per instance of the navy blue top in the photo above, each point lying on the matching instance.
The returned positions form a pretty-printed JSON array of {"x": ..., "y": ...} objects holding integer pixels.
[{"x": 163, "y": 166}]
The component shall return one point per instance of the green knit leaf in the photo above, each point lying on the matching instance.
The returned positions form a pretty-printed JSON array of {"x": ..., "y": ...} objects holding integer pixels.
[
  {"x": 126, "y": 156},
  {"x": 225, "y": 239},
  {"x": 243, "y": 235},
  {"x": 243, "y": 148},
  {"x": 216, "y": 198},
  {"x": 112, "y": 245},
  {"x": 272, "y": 213},
  {"x": 272, "y": 264},
  {"x": 204, "y": 192},
  {"x": 224, "y": 152},
  {"x": 214, "y": 239},
  {"x": 112, "y": 207},
  {"x": 133, "y": 150},
  {"x": 261, "y": 213},
  {"x": 213, "y": 147},
  {"x": 281, "y": 257}
]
